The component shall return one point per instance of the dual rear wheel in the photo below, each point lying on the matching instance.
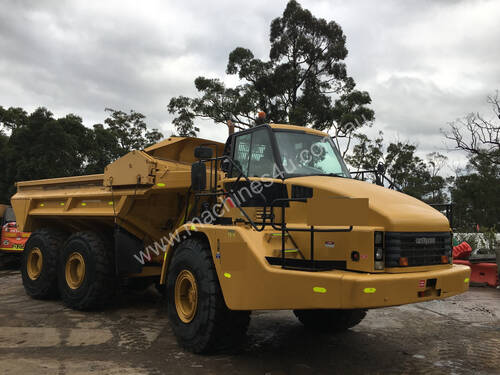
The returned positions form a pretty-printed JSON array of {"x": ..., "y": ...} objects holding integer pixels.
[{"x": 79, "y": 268}]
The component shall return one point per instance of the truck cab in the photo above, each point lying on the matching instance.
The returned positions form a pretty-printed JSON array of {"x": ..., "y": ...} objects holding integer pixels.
[{"x": 372, "y": 229}]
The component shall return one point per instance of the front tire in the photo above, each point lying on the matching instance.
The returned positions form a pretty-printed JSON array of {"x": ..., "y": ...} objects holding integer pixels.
[
  {"x": 86, "y": 272},
  {"x": 196, "y": 309},
  {"x": 330, "y": 320},
  {"x": 39, "y": 263}
]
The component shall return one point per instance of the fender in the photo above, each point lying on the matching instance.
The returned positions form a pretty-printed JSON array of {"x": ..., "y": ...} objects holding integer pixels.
[{"x": 218, "y": 238}]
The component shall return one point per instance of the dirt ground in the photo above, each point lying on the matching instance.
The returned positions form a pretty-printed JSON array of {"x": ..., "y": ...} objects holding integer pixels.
[{"x": 460, "y": 335}]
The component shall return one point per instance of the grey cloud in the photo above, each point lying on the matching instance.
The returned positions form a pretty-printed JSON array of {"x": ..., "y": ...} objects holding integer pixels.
[{"x": 423, "y": 62}]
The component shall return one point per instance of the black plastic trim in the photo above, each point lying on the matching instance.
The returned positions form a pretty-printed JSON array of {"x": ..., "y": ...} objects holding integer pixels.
[{"x": 301, "y": 191}]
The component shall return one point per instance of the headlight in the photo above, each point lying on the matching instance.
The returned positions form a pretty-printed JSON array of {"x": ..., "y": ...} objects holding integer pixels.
[{"x": 378, "y": 245}]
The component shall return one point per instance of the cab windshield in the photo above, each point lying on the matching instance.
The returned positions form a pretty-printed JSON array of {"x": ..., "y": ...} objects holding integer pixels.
[{"x": 304, "y": 154}]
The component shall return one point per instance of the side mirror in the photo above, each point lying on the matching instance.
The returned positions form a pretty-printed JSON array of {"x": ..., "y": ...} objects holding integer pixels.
[
  {"x": 198, "y": 176},
  {"x": 202, "y": 152},
  {"x": 225, "y": 165}
]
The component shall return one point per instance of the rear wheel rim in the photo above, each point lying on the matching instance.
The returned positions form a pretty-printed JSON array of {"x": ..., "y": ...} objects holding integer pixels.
[
  {"x": 35, "y": 263},
  {"x": 186, "y": 296},
  {"x": 75, "y": 270}
]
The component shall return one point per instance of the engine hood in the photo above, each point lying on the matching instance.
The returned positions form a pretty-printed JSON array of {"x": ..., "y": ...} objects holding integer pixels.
[{"x": 390, "y": 209}]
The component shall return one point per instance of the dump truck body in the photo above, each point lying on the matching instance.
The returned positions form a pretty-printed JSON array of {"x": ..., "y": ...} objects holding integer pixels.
[{"x": 272, "y": 221}]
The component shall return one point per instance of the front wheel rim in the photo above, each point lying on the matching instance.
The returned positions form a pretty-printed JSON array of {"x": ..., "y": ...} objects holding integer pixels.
[
  {"x": 75, "y": 270},
  {"x": 186, "y": 296}
]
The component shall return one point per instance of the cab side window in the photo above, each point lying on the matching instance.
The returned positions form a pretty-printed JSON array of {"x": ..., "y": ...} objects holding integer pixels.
[
  {"x": 253, "y": 153},
  {"x": 241, "y": 154},
  {"x": 262, "y": 158}
]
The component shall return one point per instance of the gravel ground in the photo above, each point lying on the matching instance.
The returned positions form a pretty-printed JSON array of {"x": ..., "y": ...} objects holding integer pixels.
[{"x": 460, "y": 335}]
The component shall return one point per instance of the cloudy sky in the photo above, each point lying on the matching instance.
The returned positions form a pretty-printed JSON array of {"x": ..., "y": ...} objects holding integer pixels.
[{"x": 423, "y": 62}]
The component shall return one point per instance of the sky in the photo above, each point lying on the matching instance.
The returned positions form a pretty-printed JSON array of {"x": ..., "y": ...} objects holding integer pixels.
[{"x": 424, "y": 63}]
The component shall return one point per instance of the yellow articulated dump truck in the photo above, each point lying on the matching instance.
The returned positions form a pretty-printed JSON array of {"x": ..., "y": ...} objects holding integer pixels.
[{"x": 270, "y": 220}]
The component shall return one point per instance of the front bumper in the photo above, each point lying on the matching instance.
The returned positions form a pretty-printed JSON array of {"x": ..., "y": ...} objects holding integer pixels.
[
  {"x": 378, "y": 290},
  {"x": 285, "y": 289}
]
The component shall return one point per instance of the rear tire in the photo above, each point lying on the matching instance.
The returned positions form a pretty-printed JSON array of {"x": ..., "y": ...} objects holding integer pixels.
[
  {"x": 39, "y": 263},
  {"x": 86, "y": 272},
  {"x": 330, "y": 320},
  {"x": 201, "y": 321}
]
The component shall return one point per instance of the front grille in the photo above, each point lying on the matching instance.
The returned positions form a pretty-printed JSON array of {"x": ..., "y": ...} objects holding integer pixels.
[{"x": 421, "y": 248}]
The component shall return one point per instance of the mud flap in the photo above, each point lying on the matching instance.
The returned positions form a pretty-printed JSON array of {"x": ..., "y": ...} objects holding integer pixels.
[{"x": 126, "y": 246}]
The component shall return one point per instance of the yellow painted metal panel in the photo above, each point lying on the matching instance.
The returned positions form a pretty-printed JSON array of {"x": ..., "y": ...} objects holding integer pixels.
[{"x": 328, "y": 210}]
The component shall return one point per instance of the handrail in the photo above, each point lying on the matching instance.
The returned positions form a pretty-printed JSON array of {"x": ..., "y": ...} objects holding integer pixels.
[
  {"x": 284, "y": 229},
  {"x": 380, "y": 177}
]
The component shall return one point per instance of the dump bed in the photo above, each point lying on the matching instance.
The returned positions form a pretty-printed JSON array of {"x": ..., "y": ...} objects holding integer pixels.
[{"x": 144, "y": 192}]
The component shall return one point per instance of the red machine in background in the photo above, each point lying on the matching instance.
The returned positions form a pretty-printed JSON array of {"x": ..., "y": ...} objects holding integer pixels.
[
  {"x": 12, "y": 240},
  {"x": 483, "y": 270},
  {"x": 462, "y": 251}
]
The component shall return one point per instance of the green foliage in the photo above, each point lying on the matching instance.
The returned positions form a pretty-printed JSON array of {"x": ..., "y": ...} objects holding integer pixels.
[
  {"x": 475, "y": 191},
  {"x": 411, "y": 174},
  {"x": 12, "y": 117},
  {"x": 130, "y": 131},
  {"x": 476, "y": 194},
  {"x": 367, "y": 153},
  {"x": 44, "y": 146},
  {"x": 304, "y": 82},
  {"x": 406, "y": 169},
  {"x": 41, "y": 146}
]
